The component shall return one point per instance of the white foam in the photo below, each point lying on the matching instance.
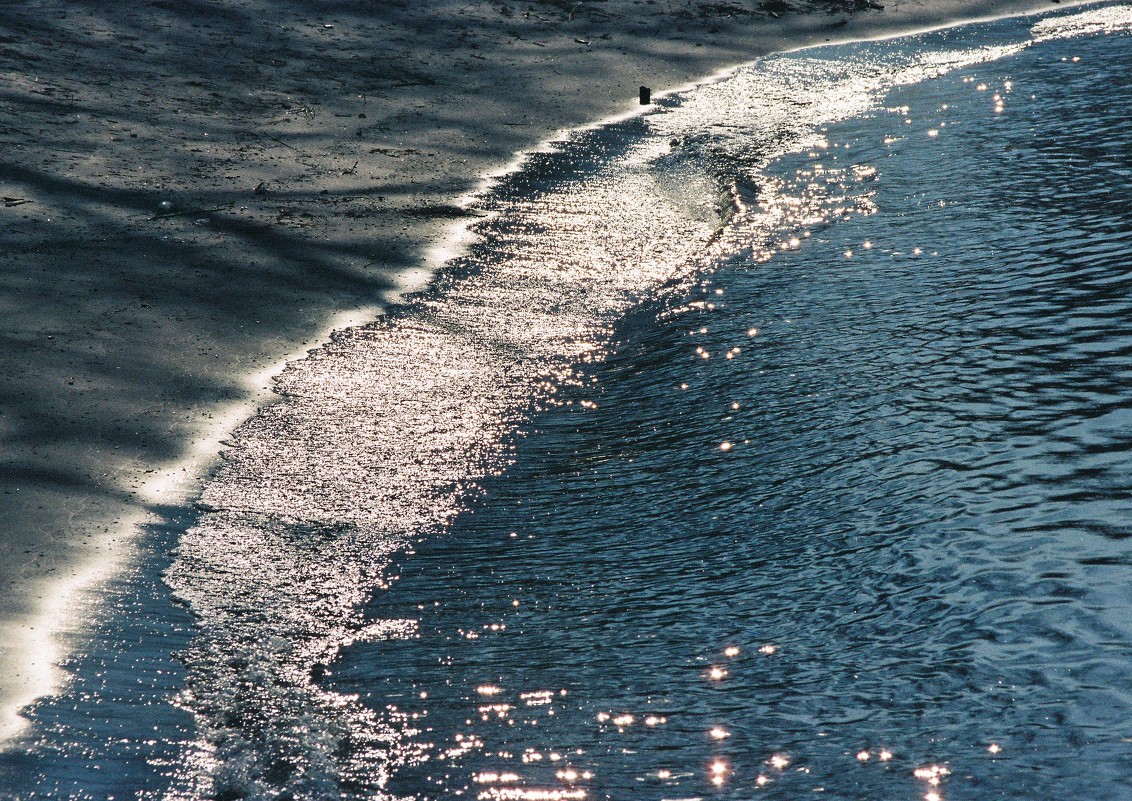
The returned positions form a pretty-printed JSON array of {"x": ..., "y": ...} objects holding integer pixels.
[{"x": 36, "y": 644}]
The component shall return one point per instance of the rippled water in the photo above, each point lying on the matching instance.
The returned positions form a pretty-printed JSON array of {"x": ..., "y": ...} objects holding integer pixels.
[
  {"x": 774, "y": 442},
  {"x": 853, "y": 518}
]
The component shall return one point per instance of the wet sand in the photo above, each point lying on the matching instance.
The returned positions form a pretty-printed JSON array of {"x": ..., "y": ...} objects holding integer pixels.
[{"x": 194, "y": 190}]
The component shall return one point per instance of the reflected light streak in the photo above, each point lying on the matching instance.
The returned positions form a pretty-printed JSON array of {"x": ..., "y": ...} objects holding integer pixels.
[
  {"x": 932, "y": 774},
  {"x": 530, "y": 794},
  {"x": 718, "y": 771},
  {"x": 537, "y": 697},
  {"x": 779, "y": 761},
  {"x": 492, "y": 778}
]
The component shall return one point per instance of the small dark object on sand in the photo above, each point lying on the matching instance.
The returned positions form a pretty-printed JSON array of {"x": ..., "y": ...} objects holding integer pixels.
[{"x": 646, "y": 95}]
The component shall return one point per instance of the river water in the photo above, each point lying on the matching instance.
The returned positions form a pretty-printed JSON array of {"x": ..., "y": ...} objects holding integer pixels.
[{"x": 777, "y": 441}]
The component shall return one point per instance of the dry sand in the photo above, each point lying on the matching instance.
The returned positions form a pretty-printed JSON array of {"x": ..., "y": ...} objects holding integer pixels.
[{"x": 192, "y": 189}]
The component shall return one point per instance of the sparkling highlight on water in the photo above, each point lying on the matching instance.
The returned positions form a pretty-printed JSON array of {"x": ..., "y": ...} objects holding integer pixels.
[{"x": 395, "y": 435}]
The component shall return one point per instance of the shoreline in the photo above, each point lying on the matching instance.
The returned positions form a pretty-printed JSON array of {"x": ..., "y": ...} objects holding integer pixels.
[{"x": 190, "y": 199}]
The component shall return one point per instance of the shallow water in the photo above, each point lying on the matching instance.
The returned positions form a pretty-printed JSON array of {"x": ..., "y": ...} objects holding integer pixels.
[
  {"x": 916, "y": 541},
  {"x": 834, "y": 497},
  {"x": 898, "y": 491}
]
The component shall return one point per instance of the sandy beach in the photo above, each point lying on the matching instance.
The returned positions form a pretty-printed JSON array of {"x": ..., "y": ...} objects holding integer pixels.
[{"x": 195, "y": 190}]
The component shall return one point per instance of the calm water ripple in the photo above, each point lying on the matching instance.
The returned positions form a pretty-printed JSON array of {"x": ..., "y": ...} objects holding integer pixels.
[{"x": 888, "y": 466}]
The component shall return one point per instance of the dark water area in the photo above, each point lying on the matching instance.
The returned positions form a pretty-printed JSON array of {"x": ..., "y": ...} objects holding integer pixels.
[
  {"x": 113, "y": 732},
  {"x": 775, "y": 442},
  {"x": 890, "y": 466}
]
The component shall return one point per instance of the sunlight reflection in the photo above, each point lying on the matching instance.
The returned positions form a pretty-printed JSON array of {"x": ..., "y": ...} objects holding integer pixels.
[
  {"x": 554, "y": 316},
  {"x": 570, "y": 775},
  {"x": 1103, "y": 20},
  {"x": 531, "y": 794},
  {"x": 537, "y": 697},
  {"x": 718, "y": 771},
  {"x": 499, "y": 710},
  {"x": 492, "y": 778},
  {"x": 932, "y": 774}
]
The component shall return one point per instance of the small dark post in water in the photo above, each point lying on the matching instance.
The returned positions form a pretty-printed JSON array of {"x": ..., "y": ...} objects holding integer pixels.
[{"x": 646, "y": 95}]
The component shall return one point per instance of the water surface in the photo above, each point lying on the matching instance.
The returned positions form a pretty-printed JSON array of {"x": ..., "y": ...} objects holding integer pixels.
[
  {"x": 850, "y": 518},
  {"x": 770, "y": 443}
]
